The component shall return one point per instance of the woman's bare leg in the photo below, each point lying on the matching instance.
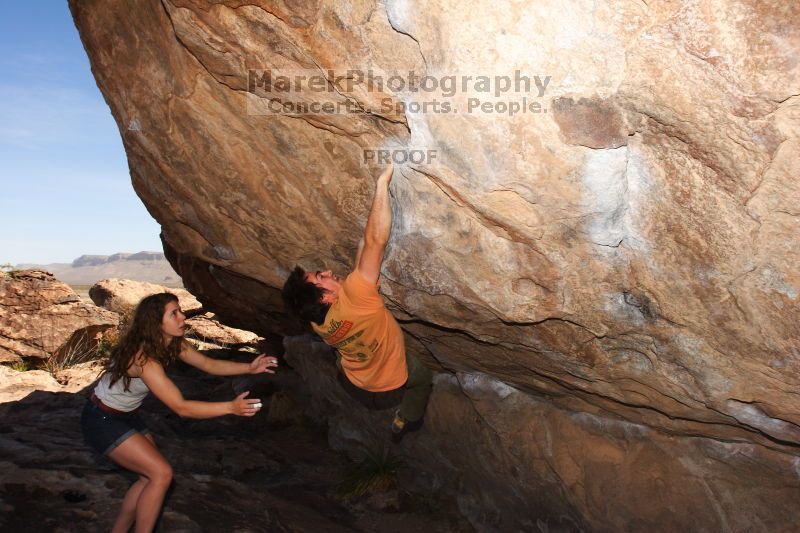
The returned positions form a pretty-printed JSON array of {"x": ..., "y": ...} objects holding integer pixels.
[
  {"x": 127, "y": 513},
  {"x": 140, "y": 455}
]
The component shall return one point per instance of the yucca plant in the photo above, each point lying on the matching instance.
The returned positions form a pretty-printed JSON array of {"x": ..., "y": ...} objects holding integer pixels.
[
  {"x": 376, "y": 472},
  {"x": 77, "y": 350}
]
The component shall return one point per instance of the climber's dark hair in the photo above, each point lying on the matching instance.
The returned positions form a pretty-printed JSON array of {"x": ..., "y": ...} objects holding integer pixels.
[{"x": 304, "y": 298}]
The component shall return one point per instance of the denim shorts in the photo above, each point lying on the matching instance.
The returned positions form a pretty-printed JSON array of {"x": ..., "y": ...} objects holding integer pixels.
[{"x": 104, "y": 431}]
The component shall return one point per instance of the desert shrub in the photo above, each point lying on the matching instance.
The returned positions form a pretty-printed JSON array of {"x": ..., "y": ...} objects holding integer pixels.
[
  {"x": 78, "y": 349},
  {"x": 108, "y": 340},
  {"x": 110, "y": 337},
  {"x": 20, "y": 366},
  {"x": 376, "y": 472}
]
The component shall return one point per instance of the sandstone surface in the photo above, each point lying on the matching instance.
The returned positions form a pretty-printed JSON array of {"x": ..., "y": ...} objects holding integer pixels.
[
  {"x": 123, "y": 295},
  {"x": 15, "y": 385},
  {"x": 206, "y": 328},
  {"x": 516, "y": 462},
  {"x": 41, "y": 316},
  {"x": 630, "y": 250}
]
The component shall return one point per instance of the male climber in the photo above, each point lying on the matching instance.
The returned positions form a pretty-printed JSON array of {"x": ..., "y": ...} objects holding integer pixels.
[{"x": 351, "y": 317}]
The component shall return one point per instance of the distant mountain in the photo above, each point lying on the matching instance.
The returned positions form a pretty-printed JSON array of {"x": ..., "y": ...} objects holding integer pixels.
[{"x": 152, "y": 267}]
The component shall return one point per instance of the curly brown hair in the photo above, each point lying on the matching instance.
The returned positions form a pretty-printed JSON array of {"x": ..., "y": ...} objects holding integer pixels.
[{"x": 144, "y": 334}]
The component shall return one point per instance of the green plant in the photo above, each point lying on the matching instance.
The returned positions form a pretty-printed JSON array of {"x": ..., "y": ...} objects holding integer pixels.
[
  {"x": 376, "y": 472},
  {"x": 108, "y": 340},
  {"x": 20, "y": 366},
  {"x": 105, "y": 345},
  {"x": 6, "y": 267}
]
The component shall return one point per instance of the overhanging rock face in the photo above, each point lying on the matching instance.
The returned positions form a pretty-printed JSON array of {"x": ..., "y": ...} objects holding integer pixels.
[
  {"x": 631, "y": 250},
  {"x": 516, "y": 462}
]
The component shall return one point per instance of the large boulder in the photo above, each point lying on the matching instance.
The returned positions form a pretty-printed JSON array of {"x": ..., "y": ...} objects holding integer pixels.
[
  {"x": 631, "y": 249},
  {"x": 516, "y": 462},
  {"x": 41, "y": 316},
  {"x": 15, "y": 385},
  {"x": 123, "y": 295},
  {"x": 206, "y": 328}
]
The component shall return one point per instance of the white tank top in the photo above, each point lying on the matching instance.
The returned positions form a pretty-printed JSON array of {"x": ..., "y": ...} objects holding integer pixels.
[{"x": 116, "y": 397}]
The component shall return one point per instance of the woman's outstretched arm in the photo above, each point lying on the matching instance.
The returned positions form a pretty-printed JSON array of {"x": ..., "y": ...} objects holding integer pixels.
[
  {"x": 217, "y": 367},
  {"x": 165, "y": 390}
]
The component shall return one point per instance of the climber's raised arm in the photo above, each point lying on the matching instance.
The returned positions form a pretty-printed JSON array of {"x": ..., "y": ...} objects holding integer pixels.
[{"x": 376, "y": 233}]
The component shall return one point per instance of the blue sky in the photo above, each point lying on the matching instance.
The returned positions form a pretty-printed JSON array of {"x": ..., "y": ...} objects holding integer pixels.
[{"x": 64, "y": 184}]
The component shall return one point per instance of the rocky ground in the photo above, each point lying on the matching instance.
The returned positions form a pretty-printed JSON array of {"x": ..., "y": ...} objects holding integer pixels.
[{"x": 272, "y": 472}]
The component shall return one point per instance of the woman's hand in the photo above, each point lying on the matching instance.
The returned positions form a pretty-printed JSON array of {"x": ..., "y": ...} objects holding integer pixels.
[
  {"x": 263, "y": 363},
  {"x": 243, "y": 406}
]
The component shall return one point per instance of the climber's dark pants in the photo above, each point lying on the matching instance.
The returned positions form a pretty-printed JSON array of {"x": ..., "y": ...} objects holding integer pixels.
[{"x": 412, "y": 397}]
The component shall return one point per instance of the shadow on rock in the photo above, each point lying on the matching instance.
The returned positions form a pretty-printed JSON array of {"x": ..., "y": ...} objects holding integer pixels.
[{"x": 271, "y": 472}]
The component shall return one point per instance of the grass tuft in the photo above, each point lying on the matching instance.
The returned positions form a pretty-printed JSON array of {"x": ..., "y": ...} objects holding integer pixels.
[
  {"x": 21, "y": 366},
  {"x": 78, "y": 349},
  {"x": 376, "y": 472}
]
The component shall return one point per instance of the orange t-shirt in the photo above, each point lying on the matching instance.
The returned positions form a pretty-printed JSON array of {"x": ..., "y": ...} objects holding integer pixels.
[{"x": 366, "y": 335}]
